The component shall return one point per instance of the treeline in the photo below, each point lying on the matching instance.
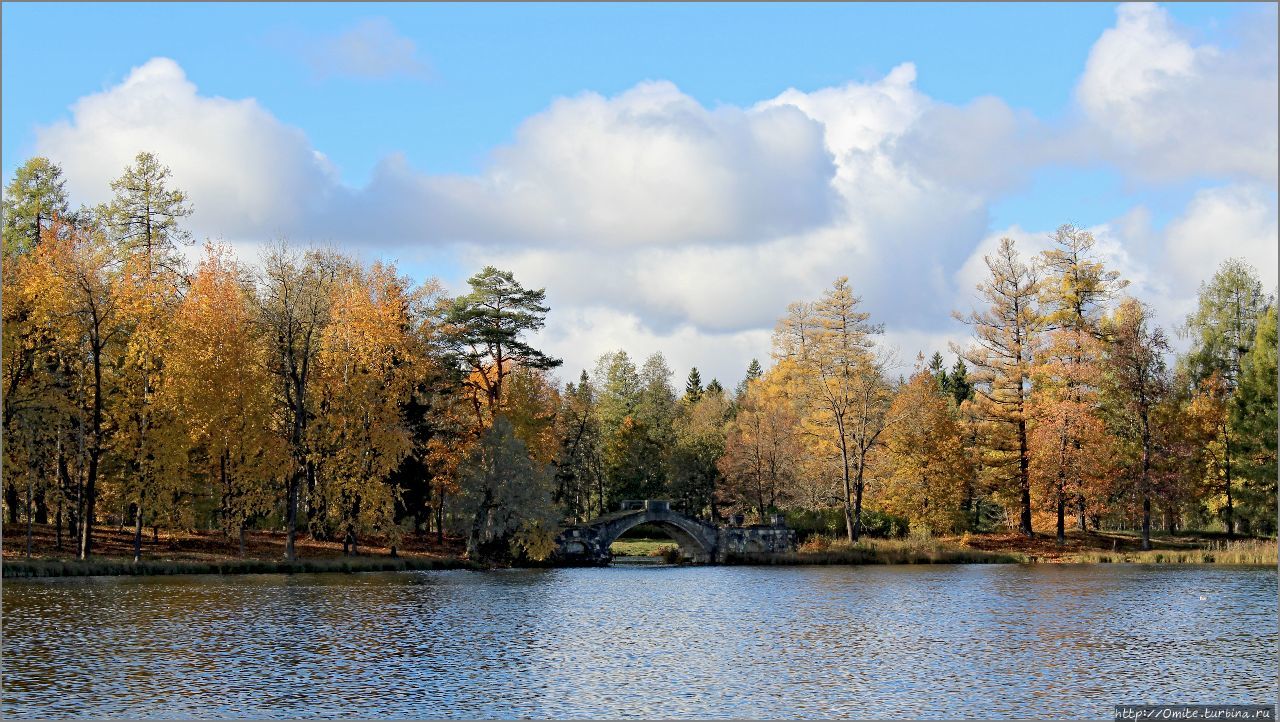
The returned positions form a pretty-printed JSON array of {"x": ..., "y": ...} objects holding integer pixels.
[{"x": 320, "y": 395}]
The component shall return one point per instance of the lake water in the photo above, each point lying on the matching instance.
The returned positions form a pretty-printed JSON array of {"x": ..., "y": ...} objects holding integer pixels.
[{"x": 922, "y": 641}]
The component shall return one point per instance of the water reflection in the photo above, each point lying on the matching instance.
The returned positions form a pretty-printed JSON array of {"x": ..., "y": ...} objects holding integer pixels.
[{"x": 642, "y": 642}]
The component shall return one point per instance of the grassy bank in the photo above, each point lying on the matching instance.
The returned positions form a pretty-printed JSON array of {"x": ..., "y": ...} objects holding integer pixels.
[
  {"x": 1245, "y": 552},
  {"x": 882, "y": 551},
  {"x": 20, "y": 568},
  {"x": 1080, "y": 548}
]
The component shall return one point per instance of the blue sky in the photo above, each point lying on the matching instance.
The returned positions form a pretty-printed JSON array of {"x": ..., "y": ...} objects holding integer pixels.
[{"x": 452, "y": 100}]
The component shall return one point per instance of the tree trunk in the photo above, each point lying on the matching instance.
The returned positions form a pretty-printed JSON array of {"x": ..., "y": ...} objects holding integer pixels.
[
  {"x": 1146, "y": 483},
  {"x": 57, "y": 525},
  {"x": 440, "y": 519},
  {"x": 30, "y": 484},
  {"x": 242, "y": 539},
  {"x": 42, "y": 508},
  {"x": 11, "y": 502},
  {"x": 291, "y": 515},
  {"x": 848, "y": 494},
  {"x": 1024, "y": 479},
  {"x": 1080, "y": 517},
  {"x": 1230, "y": 508},
  {"x": 857, "y": 507},
  {"x": 1146, "y": 522},
  {"x": 137, "y": 533},
  {"x": 95, "y": 451},
  {"x": 1062, "y": 516}
]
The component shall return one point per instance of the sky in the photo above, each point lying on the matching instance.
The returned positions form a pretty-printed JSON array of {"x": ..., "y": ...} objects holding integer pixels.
[{"x": 675, "y": 175}]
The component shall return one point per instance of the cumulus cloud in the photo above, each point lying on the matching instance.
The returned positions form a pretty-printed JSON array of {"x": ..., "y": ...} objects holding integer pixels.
[
  {"x": 248, "y": 173},
  {"x": 650, "y": 166},
  {"x": 1170, "y": 109},
  {"x": 1220, "y": 223},
  {"x": 371, "y": 49},
  {"x": 659, "y": 223}
]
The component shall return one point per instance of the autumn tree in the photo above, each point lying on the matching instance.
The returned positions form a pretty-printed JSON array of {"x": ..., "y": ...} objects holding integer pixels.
[
  {"x": 531, "y": 404},
  {"x": 1006, "y": 336},
  {"x": 365, "y": 371},
  {"x": 924, "y": 464},
  {"x": 1136, "y": 382},
  {"x": 72, "y": 288},
  {"x": 1074, "y": 296},
  {"x": 33, "y": 202},
  {"x": 763, "y": 449},
  {"x": 216, "y": 383},
  {"x": 829, "y": 348},
  {"x": 294, "y": 306}
]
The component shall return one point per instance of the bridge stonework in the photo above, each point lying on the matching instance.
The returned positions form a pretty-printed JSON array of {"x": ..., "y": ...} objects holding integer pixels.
[{"x": 700, "y": 542}]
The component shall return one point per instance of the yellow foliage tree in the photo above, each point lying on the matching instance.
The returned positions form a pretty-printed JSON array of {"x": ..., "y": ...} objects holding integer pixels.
[{"x": 923, "y": 461}]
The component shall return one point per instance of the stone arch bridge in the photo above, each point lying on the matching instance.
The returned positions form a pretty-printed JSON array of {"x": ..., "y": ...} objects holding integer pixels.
[{"x": 700, "y": 542}]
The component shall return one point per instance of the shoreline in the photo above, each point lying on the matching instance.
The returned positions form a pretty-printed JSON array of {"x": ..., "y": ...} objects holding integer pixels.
[
  {"x": 49, "y": 568},
  {"x": 54, "y": 568}
]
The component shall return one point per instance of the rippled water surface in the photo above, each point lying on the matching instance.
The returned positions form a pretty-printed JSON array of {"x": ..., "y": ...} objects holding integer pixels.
[{"x": 943, "y": 641}]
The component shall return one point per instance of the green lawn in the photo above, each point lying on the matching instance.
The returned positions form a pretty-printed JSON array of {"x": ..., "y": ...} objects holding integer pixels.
[{"x": 641, "y": 547}]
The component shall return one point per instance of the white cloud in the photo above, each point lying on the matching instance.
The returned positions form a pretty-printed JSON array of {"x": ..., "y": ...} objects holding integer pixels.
[
  {"x": 1170, "y": 109},
  {"x": 650, "y": 166},
  {"x": 370, "y": 49},
  {"x": 247, "y": 173},
  {"x": 1221, "y": 223}
]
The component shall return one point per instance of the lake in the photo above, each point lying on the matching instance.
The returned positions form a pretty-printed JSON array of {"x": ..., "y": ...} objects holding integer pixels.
[{"x": 643, "y": 641}]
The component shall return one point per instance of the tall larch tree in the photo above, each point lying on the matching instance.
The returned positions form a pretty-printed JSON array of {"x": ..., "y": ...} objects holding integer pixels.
[
  {"x": 1075, "y": 294},
  {"x": 145, "y": 214},
  {"x": 829, "y": 347},
  {"x": 1006, "y": 334}
]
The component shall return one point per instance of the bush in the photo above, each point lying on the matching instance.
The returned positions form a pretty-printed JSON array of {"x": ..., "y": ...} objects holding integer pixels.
[
  {"x": 816, "y": 543},
  {"x": 883, "y": 525}
]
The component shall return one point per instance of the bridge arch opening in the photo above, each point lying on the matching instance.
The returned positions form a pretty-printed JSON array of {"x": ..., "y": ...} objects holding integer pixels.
[{"x": 647, "y": 538}]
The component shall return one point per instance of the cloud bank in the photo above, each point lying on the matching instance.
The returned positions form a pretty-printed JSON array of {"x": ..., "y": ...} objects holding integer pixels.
[{"x": 658, "y": 222}]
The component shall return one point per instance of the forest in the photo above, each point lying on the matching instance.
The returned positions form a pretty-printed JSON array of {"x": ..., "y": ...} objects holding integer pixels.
[{"x": 315, "y": 394}]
